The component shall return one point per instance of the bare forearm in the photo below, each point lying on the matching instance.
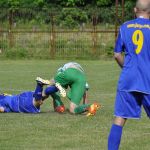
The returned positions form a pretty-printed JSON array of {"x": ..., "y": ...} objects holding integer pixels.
[
  {"x": 85, "y": 98},
  {"x": 119, "y": 58}
]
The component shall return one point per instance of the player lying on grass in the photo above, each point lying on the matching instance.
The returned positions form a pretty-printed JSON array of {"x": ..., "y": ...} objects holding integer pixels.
[
  {"x": 72, "y": 75},
  {"x": 26, "y": 102}
]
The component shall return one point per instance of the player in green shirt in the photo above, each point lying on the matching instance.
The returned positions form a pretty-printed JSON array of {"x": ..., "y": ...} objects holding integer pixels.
[{"x": 73, "y": 76}]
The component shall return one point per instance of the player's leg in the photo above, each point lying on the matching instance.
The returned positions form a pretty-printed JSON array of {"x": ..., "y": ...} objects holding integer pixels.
[
  {"x": 61, "y": 81},
  {"x": 38, "y": 92},
  {"x": 75, "y": 95},
  {"x": 50, "y": 90},
  {"x": 39, "y": 88},
  {"x": 115, "y": 134},
  {"x": 146, "y": 104},
  {"x": 128, "y": 105},
  {"x": 57, "y": 103}
]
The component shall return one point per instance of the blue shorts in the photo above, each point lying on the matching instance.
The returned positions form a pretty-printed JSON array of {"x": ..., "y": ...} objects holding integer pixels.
[{"x": 128, "y": 104}]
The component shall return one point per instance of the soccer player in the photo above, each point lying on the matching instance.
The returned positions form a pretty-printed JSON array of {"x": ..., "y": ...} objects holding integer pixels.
[
  {"x": 134, "y": 83},
  {"x": 58, "y": 104},
  {"x": 26, "y": 102},
  {"x": 72, "y": 75}
]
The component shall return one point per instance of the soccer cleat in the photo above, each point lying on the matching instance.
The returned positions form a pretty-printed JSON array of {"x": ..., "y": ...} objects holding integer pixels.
[
  {"x": 60, "y": 109},
  {"x": 42, "y": 81},
  {"x": 61, "y": 90},
  {"x": 92, "y": 109}
]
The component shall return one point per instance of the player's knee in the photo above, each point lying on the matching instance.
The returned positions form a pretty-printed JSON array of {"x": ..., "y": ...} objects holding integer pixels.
[
  {"x": 72, "y": 108},
  {"x": 119, "y": 121},
  {"x": 72, "y": 111}
]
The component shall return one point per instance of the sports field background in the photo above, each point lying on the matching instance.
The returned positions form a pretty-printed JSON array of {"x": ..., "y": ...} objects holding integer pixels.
[{"x": 52, "y": 131}]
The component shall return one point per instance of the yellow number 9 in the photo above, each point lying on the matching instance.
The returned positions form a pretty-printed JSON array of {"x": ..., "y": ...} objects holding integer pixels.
[{"x": 138, "y": 39}]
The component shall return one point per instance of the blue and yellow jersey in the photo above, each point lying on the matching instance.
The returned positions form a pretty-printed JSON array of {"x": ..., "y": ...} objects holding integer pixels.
[
  {"x": 19, "y": 103},
  {"x": 134, "y": 41}
]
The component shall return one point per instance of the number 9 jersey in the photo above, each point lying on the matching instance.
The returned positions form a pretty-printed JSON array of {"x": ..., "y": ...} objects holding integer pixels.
[{"x": 134, "y": 41}]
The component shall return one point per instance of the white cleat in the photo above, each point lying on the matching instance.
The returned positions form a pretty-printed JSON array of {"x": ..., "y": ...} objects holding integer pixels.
[
  {"x": 42, "y": 81},
  {"x": 61, "y": 90}
]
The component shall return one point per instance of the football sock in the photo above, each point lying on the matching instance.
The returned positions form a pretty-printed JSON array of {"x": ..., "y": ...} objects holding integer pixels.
[
  {"x": 114, "y": 137},
  {"x": 81, "y": 109},
  {"x": 51, "y": 89},
  {"x": 38, "y": 92},
  {"x": 56, "y": 100}
]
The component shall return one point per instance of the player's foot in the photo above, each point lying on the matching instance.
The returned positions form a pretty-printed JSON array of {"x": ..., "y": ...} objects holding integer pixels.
[
  {"x": 93, "y": 109},
  {"x": 60, "y": 109},
  {"x": 61, "y": 90},
  {"x": 42, "y": 81}
]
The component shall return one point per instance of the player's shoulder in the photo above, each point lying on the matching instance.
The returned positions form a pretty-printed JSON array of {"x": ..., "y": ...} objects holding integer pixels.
[
  {"x": 124, "y": 27},
  {"x": 125, "y": 24}
]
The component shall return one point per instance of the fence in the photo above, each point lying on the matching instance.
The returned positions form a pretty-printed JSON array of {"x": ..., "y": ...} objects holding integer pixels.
[{"x": 45, "y": 34}]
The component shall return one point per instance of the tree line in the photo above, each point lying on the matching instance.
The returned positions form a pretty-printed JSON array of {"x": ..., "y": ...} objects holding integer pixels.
[
  {"x": 68, "y": 13},
  {"x": 59, "y": 3}
]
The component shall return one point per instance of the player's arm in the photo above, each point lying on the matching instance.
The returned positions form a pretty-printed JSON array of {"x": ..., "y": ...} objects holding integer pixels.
[
  {"x": 85, "y": 96},
  {"x": 119, "y": 49},
  {"x": 2, "y": 109},
  {"x": 119, "y": 58}
]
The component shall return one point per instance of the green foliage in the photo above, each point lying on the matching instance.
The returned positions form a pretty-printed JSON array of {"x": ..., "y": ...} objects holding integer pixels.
[
  {"x": 39, "y": 3},
  {"x": 39, "y": 11},
  {"x": 103, "y": 2},
  {"x": 129, "y": 5},
  {"x": 13, "y": 4},
  {"x": 72, "y": 17},
  {"x": 16, "y": 53}
]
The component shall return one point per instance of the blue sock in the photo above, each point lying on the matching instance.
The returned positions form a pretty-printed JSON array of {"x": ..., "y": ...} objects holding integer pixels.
[
  {"x": 114, "y": 137},
  {"x": 38, "y": 92},
  {"x": 50, "y": 90}
]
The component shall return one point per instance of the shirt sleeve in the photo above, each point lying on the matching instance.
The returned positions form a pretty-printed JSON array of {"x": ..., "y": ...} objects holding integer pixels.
[{"x": 119, "y": 47}]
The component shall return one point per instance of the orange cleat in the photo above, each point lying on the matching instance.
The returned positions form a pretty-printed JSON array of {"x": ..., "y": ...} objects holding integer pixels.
[
  {"x": 93, "y": 108},
  {"x": 60, "y": 109}
]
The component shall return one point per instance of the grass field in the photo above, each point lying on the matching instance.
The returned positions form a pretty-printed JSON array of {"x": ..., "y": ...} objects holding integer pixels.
[{"x": 51, "y": 131}]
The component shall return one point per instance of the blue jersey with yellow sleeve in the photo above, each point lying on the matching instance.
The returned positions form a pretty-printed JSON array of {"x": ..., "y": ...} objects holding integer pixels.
[{"x": 134, "y": 41}]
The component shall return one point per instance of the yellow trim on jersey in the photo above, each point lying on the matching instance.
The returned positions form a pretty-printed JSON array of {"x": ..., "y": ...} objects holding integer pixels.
[{"x": 138, "y": 26}]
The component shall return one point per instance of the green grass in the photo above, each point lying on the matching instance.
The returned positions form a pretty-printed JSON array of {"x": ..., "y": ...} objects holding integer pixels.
[{"x": 51, "y": 131}]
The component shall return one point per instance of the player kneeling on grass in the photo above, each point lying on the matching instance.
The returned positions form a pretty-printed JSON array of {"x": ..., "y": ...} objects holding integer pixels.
[
  {"x": 26, "y": 102},
  {"x": 72, "y": 75},
  {"x": 57, "y": 102}
]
